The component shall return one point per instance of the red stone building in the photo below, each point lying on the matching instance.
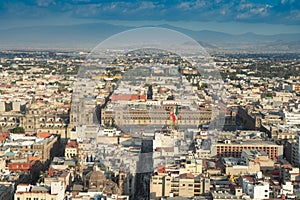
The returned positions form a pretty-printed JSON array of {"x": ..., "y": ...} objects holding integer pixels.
[{"x": 32, "y": 168}]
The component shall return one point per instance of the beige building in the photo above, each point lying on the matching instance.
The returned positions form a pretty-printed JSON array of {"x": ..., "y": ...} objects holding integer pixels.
[
  {"x": 283, "y": 132},
  {"x": 155, "y": 116},
  {"x": 64, "y": 176},
  {"x": 183, "y": 185},
  {"x": 186, "y": 185},
  {"x": 3, "y": 163},
  {"x": 251, "y": 162},
  {"x": 191, "y": 165},
  {"x": 203, "y": 153},
  {"x": 37, "y": 120},
  {"x": 258, "y": 156},
  {"x": 233, "y": 168},
  {"x": 47, "y": 148},
  {"x": 71, "y": 149},
  {"x": 26, "y": 192},
  {"x": 9, "y": 120},
  {"x": 158, "y": 186}
]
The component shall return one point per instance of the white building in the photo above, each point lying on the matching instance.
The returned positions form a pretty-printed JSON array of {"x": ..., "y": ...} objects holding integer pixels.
[
  {"x": 287, "y": 188},
  {"x": 257, "y": 190},
  {"x": 260, "y": 191},
  {"x": 292, "y": 118},
  {"x": 26, "y": 191}
]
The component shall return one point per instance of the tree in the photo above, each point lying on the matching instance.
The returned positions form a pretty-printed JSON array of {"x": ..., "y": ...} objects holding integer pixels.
[{"x": 18, "y": 130}]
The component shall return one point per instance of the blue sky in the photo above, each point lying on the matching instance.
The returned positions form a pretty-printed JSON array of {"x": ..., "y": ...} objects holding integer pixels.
[{"x": 232, "y": 16}]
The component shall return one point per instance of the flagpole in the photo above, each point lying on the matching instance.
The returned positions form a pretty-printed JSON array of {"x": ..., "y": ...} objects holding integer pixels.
[
  {"x": 174, "y": 123},
  {"x": 174, "y": 115},
  {"x": 177, "y": 120}
]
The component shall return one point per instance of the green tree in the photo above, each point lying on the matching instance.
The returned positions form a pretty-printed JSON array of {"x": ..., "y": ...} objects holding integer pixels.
[{"x": 18, "y": 130}]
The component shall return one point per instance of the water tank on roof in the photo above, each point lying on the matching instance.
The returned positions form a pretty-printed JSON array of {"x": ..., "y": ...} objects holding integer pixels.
[
  {"x": 227, "y": 141},
  {"x": 259, "y": 175}
]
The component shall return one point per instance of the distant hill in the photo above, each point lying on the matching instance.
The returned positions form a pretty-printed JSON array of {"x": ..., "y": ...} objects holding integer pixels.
[
  {"x": 71, "y": 36},
  {"x": 89, "y": 35}
]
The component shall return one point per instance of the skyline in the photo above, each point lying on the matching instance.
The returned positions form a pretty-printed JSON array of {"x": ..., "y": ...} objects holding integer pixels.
[{"x": 234, "y": 17}]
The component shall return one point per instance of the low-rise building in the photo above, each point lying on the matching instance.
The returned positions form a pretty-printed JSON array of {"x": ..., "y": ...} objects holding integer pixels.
[
  {"x": 31, "y": 168},
  {"x": 71, "y": 149},
  {"x": 255, "y": 188},
  {"x": 258, "y": 156},
  {"x": 184, "y": 185},
  {"x": 26, "y": 192},
  {"x": 234, "y": 148},
  {"x": 235, "y": 166}
]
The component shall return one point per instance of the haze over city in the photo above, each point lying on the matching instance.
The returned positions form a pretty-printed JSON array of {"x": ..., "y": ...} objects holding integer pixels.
[{"x": 57, "y": 23}]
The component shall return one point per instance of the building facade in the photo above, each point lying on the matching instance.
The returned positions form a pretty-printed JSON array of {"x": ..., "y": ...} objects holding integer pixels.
[
  {"x": 183, "y": 185},
  {"x": 296, "y": 151},
  {"x": 234, "y": 148}
]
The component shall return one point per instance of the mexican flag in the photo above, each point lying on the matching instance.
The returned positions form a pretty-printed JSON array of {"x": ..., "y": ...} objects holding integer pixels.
[{"x": 174, "y": 114}]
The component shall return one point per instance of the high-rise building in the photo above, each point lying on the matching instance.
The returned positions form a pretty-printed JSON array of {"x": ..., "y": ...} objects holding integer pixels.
[
  {"x": 296, "y": 151},
  {"x": 150, "y": 92}
]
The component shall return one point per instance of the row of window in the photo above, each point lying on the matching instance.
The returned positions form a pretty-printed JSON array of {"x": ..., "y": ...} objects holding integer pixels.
[
  {"x": 242, "y": 148},
  {"x": 29, "y": 198}
]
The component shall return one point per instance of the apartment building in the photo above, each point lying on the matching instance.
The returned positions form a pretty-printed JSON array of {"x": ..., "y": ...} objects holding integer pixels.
[
  {"x": 183, "y": 185},
  {"x": 234, "y": 148},
  {"x": 71, "y": 149},
  {"x": 296, "y": 151},
  {"x": 30, "y": 192}
]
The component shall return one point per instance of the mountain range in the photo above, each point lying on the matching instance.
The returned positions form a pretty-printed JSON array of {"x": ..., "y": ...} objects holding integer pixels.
[{"x": 87, "y": 36}]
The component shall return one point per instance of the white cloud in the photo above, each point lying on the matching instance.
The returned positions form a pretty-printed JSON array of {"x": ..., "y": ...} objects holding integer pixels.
[
  {"x": 287, "y": 1},
  {"x": 45, "y": 3},
  {"x": 185, "y": 5},
  {"x": 147, "y": 5}
]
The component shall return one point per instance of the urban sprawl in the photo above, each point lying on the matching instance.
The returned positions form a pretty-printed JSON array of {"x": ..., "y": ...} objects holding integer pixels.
[{"x": 148, "y": 125}]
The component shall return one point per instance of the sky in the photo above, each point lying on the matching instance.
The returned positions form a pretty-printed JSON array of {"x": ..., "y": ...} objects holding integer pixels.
[{"x": 230, "y": 16}]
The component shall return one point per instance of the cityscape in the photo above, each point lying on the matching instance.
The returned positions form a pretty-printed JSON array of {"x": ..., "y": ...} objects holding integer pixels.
[{"x": 121, "y": 100}]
